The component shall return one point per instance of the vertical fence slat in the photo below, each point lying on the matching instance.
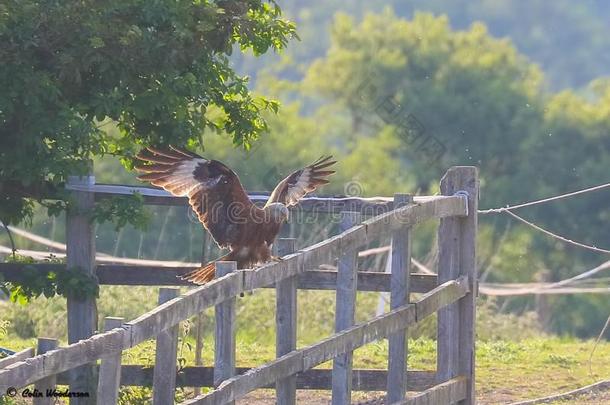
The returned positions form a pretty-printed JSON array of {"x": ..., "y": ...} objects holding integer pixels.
[
  {"x": 199, "y": 317},
  {"x": 457, "y": 257},
  {"x": 166, "y": 353},
  {"x": 198, "y": 346},
  {"x": 347, "y": 278},
  {"x": 45, "y": 345},
  {"x": 286, "y": 324},
  {"x": 399, "y": 296},
  {"x": 80, "y": 256},
  {"x": 110, "y": 369},
  {"x": 224, "y": 350}
]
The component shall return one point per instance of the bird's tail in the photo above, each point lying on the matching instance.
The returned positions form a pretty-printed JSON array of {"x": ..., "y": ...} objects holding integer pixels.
[{"x": 206, "y": 273}]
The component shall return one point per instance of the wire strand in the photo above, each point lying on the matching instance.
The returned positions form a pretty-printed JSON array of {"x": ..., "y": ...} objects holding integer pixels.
[
  {"x": 554, "y": 235},
  {"x": 544, "y": 200}
]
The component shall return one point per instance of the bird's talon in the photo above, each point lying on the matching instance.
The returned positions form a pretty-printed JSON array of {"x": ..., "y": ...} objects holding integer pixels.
[{"x": 277, "y": 259}]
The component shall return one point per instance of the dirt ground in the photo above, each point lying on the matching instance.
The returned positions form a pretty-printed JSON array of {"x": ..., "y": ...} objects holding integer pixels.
[{"x": 266, "y": 397}]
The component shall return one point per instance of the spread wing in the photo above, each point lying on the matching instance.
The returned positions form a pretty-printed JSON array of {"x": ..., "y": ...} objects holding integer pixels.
[
  {"x": 290, "y": 190},
  {"x": 213, "y": 189}
]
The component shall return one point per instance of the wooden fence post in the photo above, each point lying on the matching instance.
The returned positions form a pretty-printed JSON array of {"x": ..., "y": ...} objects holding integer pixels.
[
  {"x": 164, "y": 376},
  {"x": 110, "y": 369},
  {"x": 199, "y": 316},
  {"x": 45, "y": 345},
  {"x": 457, "y": 257},
  {"x": 399, "y": 296},
  {"x": 347, "y": 278},
  {"x": 80, "y": 256},
  {"x": 224, "y": 350},
  {"x": 198, "y": 346},
  {"x": 285, "y": 323}
]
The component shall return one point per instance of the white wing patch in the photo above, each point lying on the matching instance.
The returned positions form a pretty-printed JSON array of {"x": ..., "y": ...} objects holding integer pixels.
[
  {"x": 182, "y": 181},
  {"x": 302, "y": 185}
]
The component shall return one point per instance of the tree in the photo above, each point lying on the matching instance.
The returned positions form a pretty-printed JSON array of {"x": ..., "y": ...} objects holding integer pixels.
[
  {"x": 474, "y": 95},
  {"x": 392, "y": 82},
  {"x": 566, "y": 38},
  {"x": 157, "y": 69}
]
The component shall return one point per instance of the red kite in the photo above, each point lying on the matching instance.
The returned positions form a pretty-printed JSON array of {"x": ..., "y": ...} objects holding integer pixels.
[{"x": 222, "y": 205}]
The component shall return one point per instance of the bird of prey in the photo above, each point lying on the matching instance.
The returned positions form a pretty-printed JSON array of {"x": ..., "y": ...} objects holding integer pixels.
[{"x": 222, "y": 205}]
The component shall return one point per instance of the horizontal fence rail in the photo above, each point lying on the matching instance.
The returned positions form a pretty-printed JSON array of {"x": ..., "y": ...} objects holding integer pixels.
[
  {"x": 314, "y": 379},
  {"x": 17, "y": 357},
  {"x": 329, "y": 204},
  {"x": 293, "y": 369},
  {"x": 172, "y": 312},
  {"x": 110, "y": 274},
  {"x": 449, "y": 392},
  {"x": 339, "y": 343}
]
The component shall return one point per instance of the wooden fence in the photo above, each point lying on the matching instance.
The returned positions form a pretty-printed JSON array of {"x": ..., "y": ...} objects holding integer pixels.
[{"x": 451, "y": 293}]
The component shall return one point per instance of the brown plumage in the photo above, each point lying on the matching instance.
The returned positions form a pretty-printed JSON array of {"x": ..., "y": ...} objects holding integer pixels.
[{"x": 222, "y": 205}]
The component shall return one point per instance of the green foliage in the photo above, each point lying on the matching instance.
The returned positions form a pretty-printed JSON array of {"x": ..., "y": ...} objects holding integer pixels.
[
  {"x": 125, "y": 209},
  {"x": 34, "y": 283},
  {"x": 566, "y": 38},
  {"x": 155, "y": 68},
  {"x": 75, "y": 283},
  {"x": 478, "y": 94},
  {"x": 135, "y": 395},
  {"x": 446, "y": 80},
  {"x": 4, "y": 324},
  {"x": 487, "y": 104}
]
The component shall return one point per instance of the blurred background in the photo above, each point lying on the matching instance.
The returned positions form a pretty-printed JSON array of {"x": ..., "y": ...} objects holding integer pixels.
[{"x": 399, "y": 93}]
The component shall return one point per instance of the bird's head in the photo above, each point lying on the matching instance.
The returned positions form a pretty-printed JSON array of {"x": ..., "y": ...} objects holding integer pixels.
[{"x": 278, "y": 212}]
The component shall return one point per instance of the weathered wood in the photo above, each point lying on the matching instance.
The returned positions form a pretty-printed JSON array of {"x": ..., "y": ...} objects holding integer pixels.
[
  {"x": 238, "y": 386},
  {"x": 33, "y": 369},
  {"x": 370, "y": 206},
  {"x": 164, "y": 381},
  {"x": 313, "y": 355},
  {"x": 324, "y": 252},
  {"x": 26, "y": 372},
  {"x": 110, "y": 369},
  {"x": 449, "y": 392},
  {"x": 198, "y": 346},
  {"x": 224, "y": 350},
  {"x": 80, "y": 256},
  {"x": 399, "y": 296},
  {"x": 315, "y": 379},
  {"x": 367, "y": 281},
  {"x": 189, "y": 304},
  {"x": 224, "y": 289},
  {"x": 111, "y": 274},
  {"x": 310, "y": 356},
  {"x": 457, "y": 257},
  {"x": 363, "y": 380},
  {"x": 14, "y": 271},
  {"x": 442, "y": 296},
  {"x": 413, "y": 214},
  {"x": 48, "y": 383},
  {"x": 155, "y": 196},
  {"x": 345, "y": 312},
  {"x": 206, "y": 240},
  {"x": 269, "y": 274},
  {"x": 286, "y": 323},
  {"x": 17, "y": 357}
]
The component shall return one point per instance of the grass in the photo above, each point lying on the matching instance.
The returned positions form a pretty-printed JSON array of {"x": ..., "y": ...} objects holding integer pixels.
[
  {"x": 514, "y": 361},
  {"x": 537, "y": 367},
  {"x": 507, "y": 371}
]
